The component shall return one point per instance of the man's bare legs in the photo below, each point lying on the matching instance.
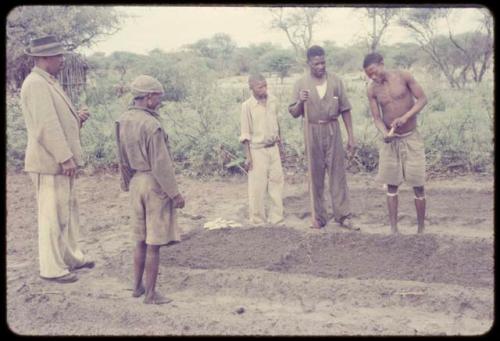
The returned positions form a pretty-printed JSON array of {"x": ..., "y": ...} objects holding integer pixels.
[
  {"x": 146, "y": 264},
  {"x": 139, "y": 261},
  {"x": 392, "y": 206},
  {"x": 151, "y": 274},
  {"x": 420, "y": 207}
]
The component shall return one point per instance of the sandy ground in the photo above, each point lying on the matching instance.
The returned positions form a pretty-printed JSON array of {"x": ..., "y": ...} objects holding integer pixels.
[{"x": 268, "y": 280}]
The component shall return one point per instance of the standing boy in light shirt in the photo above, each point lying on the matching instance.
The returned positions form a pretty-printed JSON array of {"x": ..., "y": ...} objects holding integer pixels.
[{"x": 260, "y": 135}]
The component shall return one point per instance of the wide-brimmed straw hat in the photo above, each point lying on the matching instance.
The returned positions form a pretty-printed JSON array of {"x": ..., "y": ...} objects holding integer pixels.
[{"x": 45, "y": 47}]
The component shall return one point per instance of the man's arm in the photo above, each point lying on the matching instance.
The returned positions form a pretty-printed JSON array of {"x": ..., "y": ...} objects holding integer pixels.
[
  {"x": 50, "y": 132},
  {"x": 245, "y": 136},
  {"x": 125, "y": 171},
  {"x": 345, "y": 110},
  {"x": 375, "y": 111},
  {"x": 83, "y": 115},
  {"x": 281, "y": 146},
  {"x": 347, "y": 118},
  {"x": 248, "y": 156},
  {"x": 418, "y": 93},
  {"x": 162, "y": 166},
  {"x": 296, "y": 109}
]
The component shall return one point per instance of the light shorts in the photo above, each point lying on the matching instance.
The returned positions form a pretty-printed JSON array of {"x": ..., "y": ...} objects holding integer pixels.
[
  {"x": 154, "y": 218},
  {"x": 403, "y": 159}
]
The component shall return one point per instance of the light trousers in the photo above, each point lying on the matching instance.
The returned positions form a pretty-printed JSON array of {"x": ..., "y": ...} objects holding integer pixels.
[
  {"x": 58, "y": 224},
  {"x": 266, "y": 177}
]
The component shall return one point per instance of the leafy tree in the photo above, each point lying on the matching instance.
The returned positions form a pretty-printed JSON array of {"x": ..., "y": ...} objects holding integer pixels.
[
  {"x": 218, "y": 49},
  {"x": 476, "y": 47},
  {"x": 75, "y": 26},
  {"x": 402, "y": 55},
  {"x": 279, "y": 62},
  {"x": 109, "y": 76},
  {"x": 242, "y": 61},
  {"x": 422, "y": 22},
  {"x": 381, "y": 18},
  {"x": 298, "y": 24},
  {"x": 454, "y": 56},
  {"x": 257, "y": 53},
  {"x": 346, "y": 59}
]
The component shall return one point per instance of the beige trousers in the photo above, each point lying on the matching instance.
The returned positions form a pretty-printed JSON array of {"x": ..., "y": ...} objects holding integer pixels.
[
  {"x": 266, "y": 176},
  {"x": 58, "y": 224}
]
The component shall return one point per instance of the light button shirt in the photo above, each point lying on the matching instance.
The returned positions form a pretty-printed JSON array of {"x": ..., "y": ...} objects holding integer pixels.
[{"x": 259, "y": 122}]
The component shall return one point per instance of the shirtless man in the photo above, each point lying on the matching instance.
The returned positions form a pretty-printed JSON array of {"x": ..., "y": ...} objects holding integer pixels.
[{"x": 395, "y": 99}]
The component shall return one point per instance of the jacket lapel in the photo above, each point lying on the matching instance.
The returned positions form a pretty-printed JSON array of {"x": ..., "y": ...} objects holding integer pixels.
[
  {"x": 61, "y": 92},
  {"x": 55, "y": 85}
]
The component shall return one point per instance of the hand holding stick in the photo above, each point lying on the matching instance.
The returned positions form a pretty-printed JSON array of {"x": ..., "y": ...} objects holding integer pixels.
[{"x": 388, "y": 137}]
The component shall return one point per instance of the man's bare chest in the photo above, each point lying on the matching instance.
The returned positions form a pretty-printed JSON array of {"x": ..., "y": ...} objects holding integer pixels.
[{"x": 391, "y": 92}]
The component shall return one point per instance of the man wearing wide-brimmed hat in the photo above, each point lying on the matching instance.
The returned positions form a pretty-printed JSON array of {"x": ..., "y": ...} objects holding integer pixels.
[
  {"x": 53, "y": 154},
  {"x": 147, "y": 169}
]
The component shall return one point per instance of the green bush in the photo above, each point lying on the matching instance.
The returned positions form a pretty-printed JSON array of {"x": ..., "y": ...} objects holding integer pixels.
[
  {"x": 461, "y": 137},
  {"x": 457, "y": 125},
  {"x": 16, "y": 132}
]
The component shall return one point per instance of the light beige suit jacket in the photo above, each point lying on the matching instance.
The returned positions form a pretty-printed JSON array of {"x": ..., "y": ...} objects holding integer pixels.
[{"x": 52, "y": 123}]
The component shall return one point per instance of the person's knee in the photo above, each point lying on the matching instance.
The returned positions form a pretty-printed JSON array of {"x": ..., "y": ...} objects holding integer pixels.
[
  {"x": 392, "y": 189},
  {"x": 153, "y": 249},
  {"x": 419, "y": 191},
  {"x": 276, "y": 179},
  {"x": 141, "y": 245}
]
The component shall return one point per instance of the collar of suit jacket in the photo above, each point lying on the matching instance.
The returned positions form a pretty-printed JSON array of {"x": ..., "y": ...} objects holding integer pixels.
[
  {"x": 55, "y": 83},
  {"x": 44, "y": 74}
]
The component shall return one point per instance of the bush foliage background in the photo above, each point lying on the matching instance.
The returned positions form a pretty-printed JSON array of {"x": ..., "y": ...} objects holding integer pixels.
[
  {"x": 203, "y": 114},
  {"x": 206, "y": 82}
]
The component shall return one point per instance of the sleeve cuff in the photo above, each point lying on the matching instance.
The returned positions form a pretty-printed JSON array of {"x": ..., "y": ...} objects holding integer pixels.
[{"x": 61, "y": 158}]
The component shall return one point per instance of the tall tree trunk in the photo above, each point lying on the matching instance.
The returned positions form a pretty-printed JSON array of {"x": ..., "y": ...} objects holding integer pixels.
[{"x": 374, "y": 36}]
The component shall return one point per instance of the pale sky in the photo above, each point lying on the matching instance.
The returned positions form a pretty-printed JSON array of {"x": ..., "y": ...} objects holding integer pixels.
[{"x": 170, "y": 27}]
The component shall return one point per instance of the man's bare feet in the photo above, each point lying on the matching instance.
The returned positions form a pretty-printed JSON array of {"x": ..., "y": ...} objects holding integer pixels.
[
  {"x": 316, "y": 224},
  {"x": 138, "y": 291},
  {"x": 157, "y": 298}
]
